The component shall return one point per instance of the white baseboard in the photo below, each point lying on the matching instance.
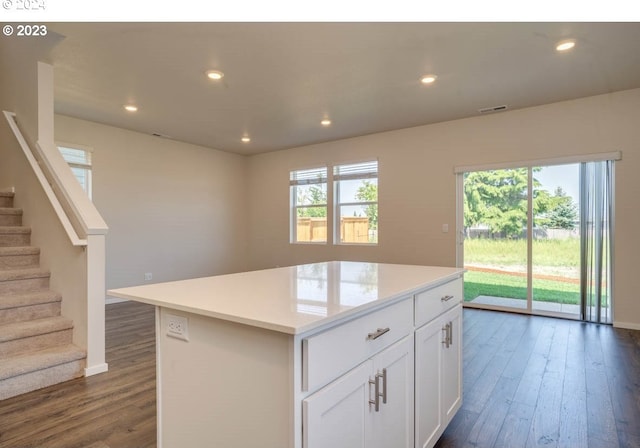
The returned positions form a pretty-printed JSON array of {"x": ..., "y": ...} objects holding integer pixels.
[
  {"x": 94, "y": 370},
  {"x": 626, "y": 325},
  {"x": 110, "y": 300}
]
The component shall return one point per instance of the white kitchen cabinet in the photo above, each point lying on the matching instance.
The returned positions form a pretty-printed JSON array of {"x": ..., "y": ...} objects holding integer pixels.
[
  {"x": 438, "y": 375},
  {"x": 452, "y": 365},
  {"x": 289, "y": 357},
  {"x": 348, "y": 413}
]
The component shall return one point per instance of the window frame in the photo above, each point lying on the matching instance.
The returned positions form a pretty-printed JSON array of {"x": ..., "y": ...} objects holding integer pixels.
[
  {"x": 87, "y": 167},
  {"x": 294, "y": 207},
  {"x": 337, "y": 177}
]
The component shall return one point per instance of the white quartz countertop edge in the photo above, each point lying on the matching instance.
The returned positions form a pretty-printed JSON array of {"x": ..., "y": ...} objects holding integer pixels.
[{"x": 272, "y": 324}]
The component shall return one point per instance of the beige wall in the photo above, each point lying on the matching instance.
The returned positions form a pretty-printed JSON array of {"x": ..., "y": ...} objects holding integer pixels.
[
  {"x": 173, "y": 209},
  {"x": 416, "y": 180}
]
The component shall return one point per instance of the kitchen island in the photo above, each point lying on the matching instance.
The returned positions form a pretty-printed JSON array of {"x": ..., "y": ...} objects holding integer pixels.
[{"x": 335, "y": 354}]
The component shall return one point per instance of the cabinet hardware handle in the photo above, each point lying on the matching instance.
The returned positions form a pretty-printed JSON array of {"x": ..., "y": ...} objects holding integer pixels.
[
  {"x": 379, "y": 332},
  {"x": 450, "y": 333},
  {"x": 384, "y": 386},
  {"x": 446, "y": 298},
  {"x": 376, "y": 401},
  {"x": 447, "y": 335}
]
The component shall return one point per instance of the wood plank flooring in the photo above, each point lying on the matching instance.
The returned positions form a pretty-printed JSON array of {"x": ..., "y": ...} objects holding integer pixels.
[
  {"x": 110, "y": 410},
  {"x": 528, "y": 381},
  {"x": 537, "y": 381}
]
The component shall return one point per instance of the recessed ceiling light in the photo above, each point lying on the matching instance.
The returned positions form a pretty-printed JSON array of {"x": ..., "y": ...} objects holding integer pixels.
[
  {"x": 215, "y": 75},
  {"x": 326, "y": 122},
  {"x": 565, "y": 45},
  {"x": 428, "y": 79},
  {"x": 130, "y": 108},
  {"x": 245, "y": 139}
]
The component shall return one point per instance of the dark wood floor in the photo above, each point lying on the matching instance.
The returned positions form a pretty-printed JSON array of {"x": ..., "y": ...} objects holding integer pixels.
[
  {"x": 536, "y": 381},
  {"x": 528, "y": 381},
  {"x": 116, "y": 409}
]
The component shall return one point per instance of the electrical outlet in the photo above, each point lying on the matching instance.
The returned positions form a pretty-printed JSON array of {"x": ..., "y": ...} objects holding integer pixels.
[
  {"x": 148, "y": 276},
  {"x": 177, "y": 327},
  {"x": 445, "y": 228}
]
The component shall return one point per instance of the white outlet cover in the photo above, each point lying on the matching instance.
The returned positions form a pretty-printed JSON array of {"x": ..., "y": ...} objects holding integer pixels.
[{"x": 178, "y": 327}]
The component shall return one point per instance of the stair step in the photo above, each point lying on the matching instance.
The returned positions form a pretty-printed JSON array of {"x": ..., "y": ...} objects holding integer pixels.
[
  {"x": 17, "y": 281},
  {"x": 19, "y": 257},
  {"x": 38, "y": 334},
  {"x": 23, "y": 373},
  {"x": 29, "y": 306},
  {"x": 6, "y": 199},
  {"x": 10, "y": 216},
  {"x": 11, "y": 236}
]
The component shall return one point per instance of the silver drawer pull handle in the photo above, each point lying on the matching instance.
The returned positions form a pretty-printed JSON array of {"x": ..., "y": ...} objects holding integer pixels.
[
  {"x": 379, "y": 332},
  {"x": 446, "y": 298}
]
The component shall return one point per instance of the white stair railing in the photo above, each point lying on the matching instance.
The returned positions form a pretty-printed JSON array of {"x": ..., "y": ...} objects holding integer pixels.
[
  {"x": 76, "y": 212},
  {"x": 85, "y": 228}
]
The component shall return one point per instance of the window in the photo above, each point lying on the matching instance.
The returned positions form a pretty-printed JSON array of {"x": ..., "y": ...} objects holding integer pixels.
[
  {"x": 308, "y": 205},
  {"x": 356, "y": 201},
  {"x": 355, "y": 195},
  {"x": 79, "y": 159}
]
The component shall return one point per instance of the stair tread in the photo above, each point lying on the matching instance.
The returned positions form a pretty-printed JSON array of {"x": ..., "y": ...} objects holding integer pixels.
[
  {"x": 10, "y": 211},
  {"x": 23, "y": 273},
  {"x": 28, "y": 298},
  {"x": 7, "y": 194},
  {"x": 19, "y": 330},
  {"x": 16, "y": 230},
  {"x": 19, "y": 250},
  {"x": 30, "y": 362}
]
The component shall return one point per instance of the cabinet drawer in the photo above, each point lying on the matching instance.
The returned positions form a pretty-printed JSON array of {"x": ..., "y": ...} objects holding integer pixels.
[
  {"x": 433, "y": 302},
  {"x": 329, "y": 354}
]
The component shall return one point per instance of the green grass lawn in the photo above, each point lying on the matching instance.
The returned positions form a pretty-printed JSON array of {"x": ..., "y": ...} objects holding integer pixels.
[
  {"x": 503, "y": 285},
  {"x": 514, "y": 252},
  {"x": 496, "y": 253}
]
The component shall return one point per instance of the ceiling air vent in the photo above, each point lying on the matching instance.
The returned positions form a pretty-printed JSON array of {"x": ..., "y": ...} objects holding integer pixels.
[{"x": 488, "y": 110}]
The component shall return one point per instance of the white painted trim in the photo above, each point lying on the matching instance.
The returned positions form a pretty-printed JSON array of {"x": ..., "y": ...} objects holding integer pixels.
[
  {"x": 94, "y": 370},
  {"x": 96, "y": 287},
  {"x": 597, "y": 157},
  {"x": 626, "y": 325},
  {"x": 159, "y": 378},
  {"x": 53, "y": 199},
  {"x": 72, "y": 193}
]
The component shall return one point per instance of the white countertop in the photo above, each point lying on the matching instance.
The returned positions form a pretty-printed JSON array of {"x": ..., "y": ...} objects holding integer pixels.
[{"x": 292, "y": 299}]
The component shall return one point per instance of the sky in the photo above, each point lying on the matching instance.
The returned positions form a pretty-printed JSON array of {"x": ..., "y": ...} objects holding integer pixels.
[{"x": 565, "y": 176}]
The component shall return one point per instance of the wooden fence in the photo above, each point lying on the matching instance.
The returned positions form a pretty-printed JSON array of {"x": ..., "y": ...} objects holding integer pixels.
[{"x": 352, "y": 230}]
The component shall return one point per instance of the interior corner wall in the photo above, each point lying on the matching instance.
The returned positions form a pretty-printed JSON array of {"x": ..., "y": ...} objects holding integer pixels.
[
  {"x": 173, "y": 209},
  {"x": 417, "y": 186}
]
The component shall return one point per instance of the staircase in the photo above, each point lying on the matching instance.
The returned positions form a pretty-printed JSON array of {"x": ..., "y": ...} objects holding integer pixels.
[{"x": 36, "y": 347}]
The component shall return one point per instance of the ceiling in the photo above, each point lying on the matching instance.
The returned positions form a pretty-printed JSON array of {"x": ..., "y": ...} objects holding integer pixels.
[{"x": 281, "y": 79}]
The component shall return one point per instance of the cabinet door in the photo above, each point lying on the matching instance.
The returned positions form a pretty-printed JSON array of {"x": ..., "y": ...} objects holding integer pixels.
[
  {"x": 452, "y": 365},
  {"x": 428, "y": 409},
  {"x": 392, "y": 425},
  {"x": 337, "y": 416}
]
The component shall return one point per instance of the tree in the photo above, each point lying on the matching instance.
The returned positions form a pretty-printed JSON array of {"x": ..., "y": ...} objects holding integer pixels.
[
  {"x": 563, "y": 213},
  {"x": 368, "y": 192},
  {"x": 498, "y": 199},
  {"x": 314, "y": 195}
]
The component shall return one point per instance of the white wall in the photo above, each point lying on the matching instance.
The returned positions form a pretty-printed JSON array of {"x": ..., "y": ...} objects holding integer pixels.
[
  {"x": 173, "y": 209},
  {"x": 416, "y": 180}
]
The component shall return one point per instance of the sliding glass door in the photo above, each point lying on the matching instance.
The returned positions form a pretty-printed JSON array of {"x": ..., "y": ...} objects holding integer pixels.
[
  {"x": 555, "y": 248},
  {"x": 537, "y": 238}
]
